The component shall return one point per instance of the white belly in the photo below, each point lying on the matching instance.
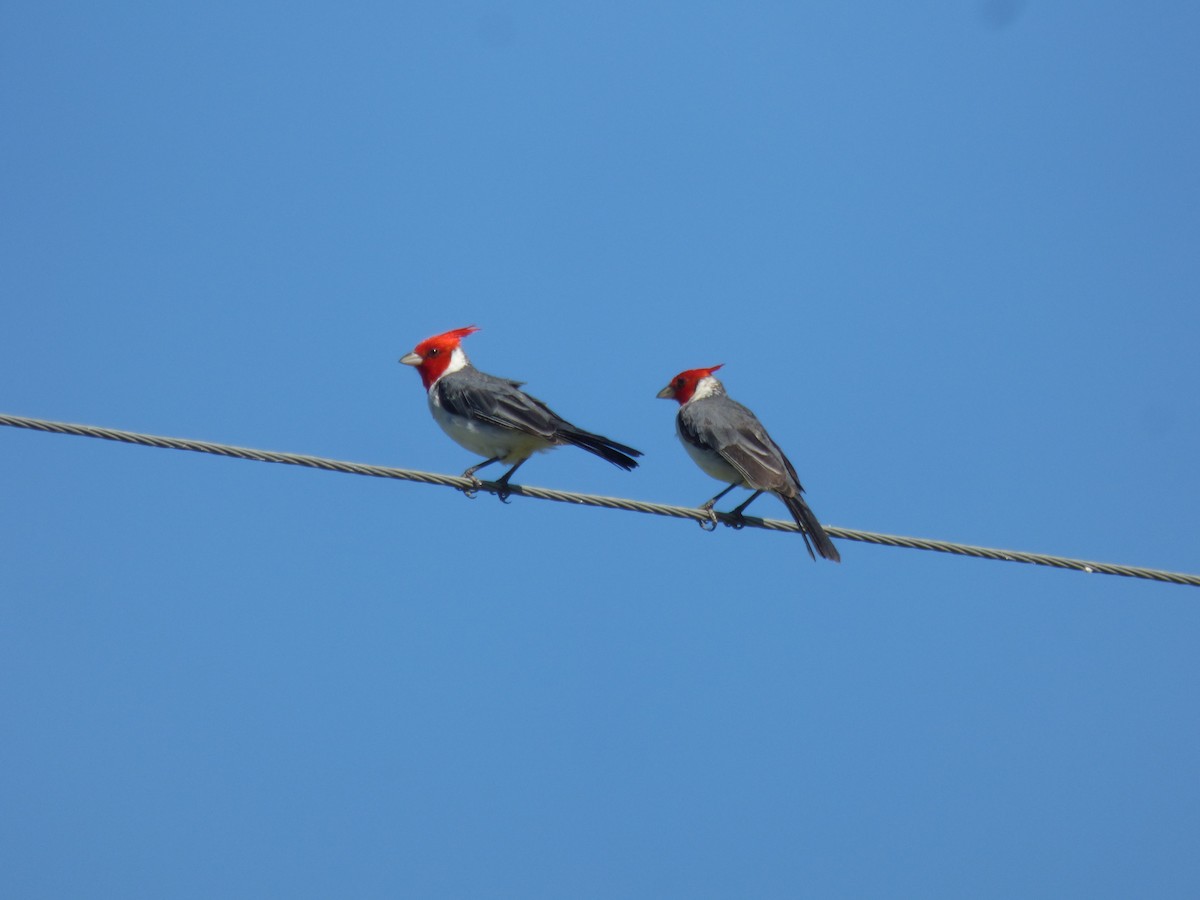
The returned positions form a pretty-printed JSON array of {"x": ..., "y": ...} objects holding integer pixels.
[
  {"x": 488, "y": 440},
  {"x": 712, "y": 463}
]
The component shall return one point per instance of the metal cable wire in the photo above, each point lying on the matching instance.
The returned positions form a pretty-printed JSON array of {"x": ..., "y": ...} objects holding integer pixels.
[{"x": 537, "y": 493}]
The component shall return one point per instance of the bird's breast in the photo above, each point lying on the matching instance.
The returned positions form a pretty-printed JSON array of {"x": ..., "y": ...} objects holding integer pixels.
[
  {"x": 484, "y": 438},
  {"x": 710, "y": 461}
]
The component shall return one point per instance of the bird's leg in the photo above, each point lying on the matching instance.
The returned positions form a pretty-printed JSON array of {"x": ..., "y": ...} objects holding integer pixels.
[
  {"x": 503, "y": 481},
  {"x": 737, "y": 513},
  {"x": 709, "y": 505},
  {"x": 470, "y": 473},
  {"x": 711, "y": 523}
]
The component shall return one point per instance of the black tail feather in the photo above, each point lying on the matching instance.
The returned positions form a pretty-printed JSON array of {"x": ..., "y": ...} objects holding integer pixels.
[
  {"x": 617, "y": 454},
  {"x": 811, "y": 528}
]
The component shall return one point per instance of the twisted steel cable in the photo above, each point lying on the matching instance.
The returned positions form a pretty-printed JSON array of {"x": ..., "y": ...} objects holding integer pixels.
[{"x": 622, "y": 503}]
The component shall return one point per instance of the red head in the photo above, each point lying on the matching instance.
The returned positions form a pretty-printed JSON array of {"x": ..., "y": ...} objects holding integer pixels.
[
  {"x": 683, "y": 385},
  {"x": 434, "y": 354}
]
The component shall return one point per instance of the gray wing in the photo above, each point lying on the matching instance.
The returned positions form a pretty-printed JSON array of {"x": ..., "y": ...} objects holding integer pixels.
[
  {"x": 733, "y": 431},
  {"x": 502, "y": 404},
  {"x": 498, "y": 402}
]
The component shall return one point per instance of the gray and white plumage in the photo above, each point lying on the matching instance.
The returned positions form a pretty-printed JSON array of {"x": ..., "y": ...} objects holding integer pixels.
[
  {"x": 728, "y": 442},
  {"x": 492, "y": 416}
]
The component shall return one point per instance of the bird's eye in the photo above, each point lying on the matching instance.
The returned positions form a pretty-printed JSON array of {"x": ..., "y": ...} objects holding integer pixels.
[
  {"x": 678, "y": 382},
  {"x": 434, "y": 352}
]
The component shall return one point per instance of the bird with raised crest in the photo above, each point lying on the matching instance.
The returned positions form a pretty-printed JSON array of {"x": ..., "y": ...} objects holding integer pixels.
[
  {"x": 493, "y": 417},
  {"x": 728, "y": 442}
]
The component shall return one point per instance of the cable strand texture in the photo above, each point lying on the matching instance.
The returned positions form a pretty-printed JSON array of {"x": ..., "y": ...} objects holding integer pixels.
[{"x": 620, "y": 503}]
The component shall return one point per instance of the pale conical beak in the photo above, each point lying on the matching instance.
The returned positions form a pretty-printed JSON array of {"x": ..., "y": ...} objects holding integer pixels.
[
  {"x": 667, "y": 393},
  {"x": 411, "y": 359}
]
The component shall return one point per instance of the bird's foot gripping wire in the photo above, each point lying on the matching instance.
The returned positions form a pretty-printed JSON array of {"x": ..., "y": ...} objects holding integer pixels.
[
  {"x": 472, "y": 489},
  {"x": 735, "y": 519},
  {"x": 476, "y": 484},
  {"x": 502, "y": 483},
  {"x": 499, "y": 488},
  {"x": 711, "y": 523}
]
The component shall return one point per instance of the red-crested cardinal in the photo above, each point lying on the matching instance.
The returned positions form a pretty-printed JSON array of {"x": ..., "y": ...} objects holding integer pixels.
[
  {"x": 728, "y": 442},
  {"x": 492, "y": 416}
]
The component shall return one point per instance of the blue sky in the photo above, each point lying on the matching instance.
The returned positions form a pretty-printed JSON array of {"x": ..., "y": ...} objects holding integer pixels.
[{"x": 947, "y": 251}]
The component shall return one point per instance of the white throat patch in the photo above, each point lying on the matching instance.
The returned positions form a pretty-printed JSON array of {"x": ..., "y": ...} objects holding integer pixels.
[
  {"x": 705, "y": 387},
  {"x": 458, "y": 360}
]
